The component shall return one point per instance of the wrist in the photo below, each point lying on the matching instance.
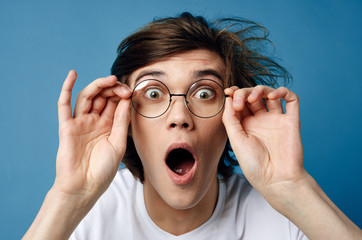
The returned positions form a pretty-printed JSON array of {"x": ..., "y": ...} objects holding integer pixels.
[
  {"x": 59, "y": 215},
  {"x": 78, "y": 195},
  {"x": 77, "y": 204},
  {"x": 286, "y": 195},
  {"x": 305, "y": 204}
]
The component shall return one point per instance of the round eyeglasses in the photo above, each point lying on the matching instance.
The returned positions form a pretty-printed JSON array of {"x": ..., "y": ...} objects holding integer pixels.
[{"x": 151, "y": 98}]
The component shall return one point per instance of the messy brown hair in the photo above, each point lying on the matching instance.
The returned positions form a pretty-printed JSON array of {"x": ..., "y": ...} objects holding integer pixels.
[{"x": 241, "y": 44}]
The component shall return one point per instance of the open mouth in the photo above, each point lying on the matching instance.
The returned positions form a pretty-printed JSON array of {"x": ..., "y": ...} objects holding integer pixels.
[{"x": 180, "y": 161}]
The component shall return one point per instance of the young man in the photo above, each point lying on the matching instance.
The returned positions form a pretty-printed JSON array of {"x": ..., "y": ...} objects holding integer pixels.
[{"x": 187, "y": 89}]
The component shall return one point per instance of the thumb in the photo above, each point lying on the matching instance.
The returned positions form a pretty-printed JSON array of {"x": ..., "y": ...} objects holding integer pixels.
[
  {"x": 231, "y": 120},
  {"x": 118, "y": 136}
]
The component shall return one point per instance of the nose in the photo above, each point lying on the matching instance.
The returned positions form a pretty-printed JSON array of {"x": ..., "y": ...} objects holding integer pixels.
[{"x": 178, "y": 114}]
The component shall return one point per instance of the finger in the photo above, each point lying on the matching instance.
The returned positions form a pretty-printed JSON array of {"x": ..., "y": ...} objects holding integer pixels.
[
  {"x": 274, "y": 105},
  {"x": 118, "y": 89},
  {"x": 240, "y": 97},
  {"x": 254, "y": 97},
  {"x": 230, "y": 91},
  {"x": 98, "y": 104},
  {"x": 85, "y": 97},
  {"x": 110, "y": 108},
  {"x": 242, "y": 113},
  {"x": 100, "y": 101},
  {"x": 118, "y": 136},
  {"x": 232, "y": 121},
  {"x": 64, "y": 102},
  {"x": 108, "y": 92},
  {"x": 121, "y": 92},
  {"x": 116, "y": 93},
  {"x": 239, "y": 104},
  {"x": 257, "y": 107},
  {"x": 292, "y": 100},
  {"x": 258, "y": 98},
  {"x": 245, "y": 112}
]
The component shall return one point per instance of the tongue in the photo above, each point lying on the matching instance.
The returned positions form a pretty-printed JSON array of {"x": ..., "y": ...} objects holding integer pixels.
[{"x": 183, "y": 167}]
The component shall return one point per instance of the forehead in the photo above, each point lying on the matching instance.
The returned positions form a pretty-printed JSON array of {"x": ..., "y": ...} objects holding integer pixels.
[{"x": 191, "y": 65}]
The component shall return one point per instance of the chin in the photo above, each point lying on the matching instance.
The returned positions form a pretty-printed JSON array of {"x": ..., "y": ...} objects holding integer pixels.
[
  {"x": 189, "y": 196},
  {"x": 183, "y": 200}
]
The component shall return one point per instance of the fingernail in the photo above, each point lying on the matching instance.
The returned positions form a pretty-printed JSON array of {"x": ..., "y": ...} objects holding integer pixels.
[
  {"x": 237, "y": 101},
  {"x": 253, "y": 93},
  {"x": 251, "y": 96},
  {"x": 125, "y": 89}
]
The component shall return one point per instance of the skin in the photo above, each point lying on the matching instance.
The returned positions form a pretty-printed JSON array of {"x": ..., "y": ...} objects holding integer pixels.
[
  {"x": 269, "y": 150},
  {"x": 187, "y": 206},
  {"x": 267, "y": 144}
]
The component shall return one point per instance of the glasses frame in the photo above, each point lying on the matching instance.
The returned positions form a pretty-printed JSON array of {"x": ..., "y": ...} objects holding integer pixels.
[{"x": 178, "y": 95}]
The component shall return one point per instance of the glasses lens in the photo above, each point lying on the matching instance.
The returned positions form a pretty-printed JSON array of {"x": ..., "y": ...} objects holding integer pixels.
[
  {"x": 205, "y": 98},
  {"x": 151, "y": 98}
]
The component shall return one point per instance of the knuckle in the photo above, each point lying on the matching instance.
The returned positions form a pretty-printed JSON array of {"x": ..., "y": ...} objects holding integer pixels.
[
  {"x": 96, "y": 85},
  {"x": 61, "y": 101},
  {"x": 81, "y": 93},
  {"x": 84, "y": 94},
  {"x": 239, "y": 93},
  {"x": 259, "y": 87},
  {"x": 284, "y": 88}
]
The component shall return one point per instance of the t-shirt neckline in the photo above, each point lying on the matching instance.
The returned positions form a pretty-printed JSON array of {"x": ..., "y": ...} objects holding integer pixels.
[{"x": 149, "y": 224}]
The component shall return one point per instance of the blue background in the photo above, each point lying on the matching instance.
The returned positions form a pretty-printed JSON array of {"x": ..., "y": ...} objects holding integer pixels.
[{"x": 319, "y": 42}]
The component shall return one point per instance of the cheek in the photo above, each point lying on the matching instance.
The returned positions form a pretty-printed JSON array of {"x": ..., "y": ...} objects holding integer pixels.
[
  {"x": 214, "y": 129},
  {"x": 139, "y": 134},
  {"x": 214, "y": 138},
  {"x": 140, "y": 131},
  {"x": 145, "y": 133},
  {"x": 136, "y": 125}
]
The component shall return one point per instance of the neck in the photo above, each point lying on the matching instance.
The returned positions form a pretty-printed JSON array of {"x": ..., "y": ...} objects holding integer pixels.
[{"x": 180, "y": 221}]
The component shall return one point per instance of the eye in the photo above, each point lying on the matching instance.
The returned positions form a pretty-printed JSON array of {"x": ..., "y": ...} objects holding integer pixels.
[
  {"x": 204, "y": 94},
  {"x": 154, "y": 94}
]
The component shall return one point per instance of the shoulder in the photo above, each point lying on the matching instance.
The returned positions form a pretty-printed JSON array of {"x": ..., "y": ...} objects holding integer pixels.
[
  {"x": 237, "y": 184},
  {"x": 113, "y": 209},
  {"x": 240, "y": 191},
  {"x": 121, "y": 191},
  {"x": 253, "y": 214},
  {"x": 124, "y": 179}
]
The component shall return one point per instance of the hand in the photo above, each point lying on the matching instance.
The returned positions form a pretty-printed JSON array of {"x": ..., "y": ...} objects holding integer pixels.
[
  {"x": 93, "y": 141},
  {"x": 266, "y": 143}
]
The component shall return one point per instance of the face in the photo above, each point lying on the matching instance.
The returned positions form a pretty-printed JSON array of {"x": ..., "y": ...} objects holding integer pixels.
[{"x": 180, "y": 151}]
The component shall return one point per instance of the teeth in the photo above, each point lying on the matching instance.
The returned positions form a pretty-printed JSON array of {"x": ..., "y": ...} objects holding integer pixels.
[
  {"x": 181, "y": 171},
  {"x": 180, "y": 161}
]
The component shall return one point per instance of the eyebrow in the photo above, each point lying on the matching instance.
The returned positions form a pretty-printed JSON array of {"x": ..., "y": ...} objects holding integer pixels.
[
  {"x": 152, "y": 73},
  {"x": 196, "y": 74},
  {"x": 207, "y": 72}
]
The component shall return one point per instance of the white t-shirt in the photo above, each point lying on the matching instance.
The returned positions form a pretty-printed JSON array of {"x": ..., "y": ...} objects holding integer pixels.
[{"x": 241, "y": 213}]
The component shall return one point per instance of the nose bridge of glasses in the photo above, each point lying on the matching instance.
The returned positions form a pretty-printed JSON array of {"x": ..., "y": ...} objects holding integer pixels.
[{"x": 179, "y": 95}]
